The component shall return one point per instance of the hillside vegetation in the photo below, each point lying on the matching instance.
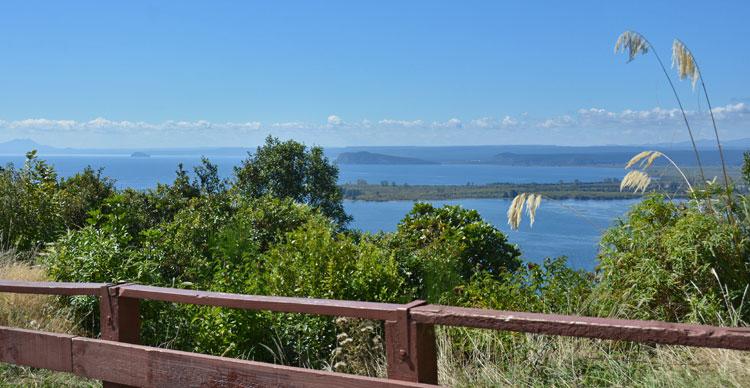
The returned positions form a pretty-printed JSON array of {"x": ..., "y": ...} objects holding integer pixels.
[{"x": 278, "y": 228}]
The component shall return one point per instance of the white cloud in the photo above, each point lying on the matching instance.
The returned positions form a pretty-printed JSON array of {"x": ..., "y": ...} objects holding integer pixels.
[
  {"x": 335, "y": 121},
  {"x": 492, "y": 123},
  {"x": 596, "y": 124},
  {"x": 557, "y": 122},
  {"x": 484, "y": 122},
  {"x": 290, "y": 125},
  {"x": 452, "y": 123},
  {"x": 739, "y": 110},
  {"x": 509, "y": 122},
  {"x": 402, "y": 123}
]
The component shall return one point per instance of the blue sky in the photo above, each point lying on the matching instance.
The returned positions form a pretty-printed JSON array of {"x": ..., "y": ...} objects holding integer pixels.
[{"x": 135, "y": 73}]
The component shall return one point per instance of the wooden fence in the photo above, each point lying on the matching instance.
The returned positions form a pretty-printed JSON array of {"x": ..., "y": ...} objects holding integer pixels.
[{"x": 119, "y": 361}]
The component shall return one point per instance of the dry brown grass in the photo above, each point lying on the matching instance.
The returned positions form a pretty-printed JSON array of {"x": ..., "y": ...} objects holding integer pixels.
[{"x": 37, "y": 312}]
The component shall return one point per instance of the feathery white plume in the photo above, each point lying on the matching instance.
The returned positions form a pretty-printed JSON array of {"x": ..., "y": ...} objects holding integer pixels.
[
  {"x": 632, "y": 42},
  {"x": 515, "y": 211},
  {"x": 683, "y": 60}
]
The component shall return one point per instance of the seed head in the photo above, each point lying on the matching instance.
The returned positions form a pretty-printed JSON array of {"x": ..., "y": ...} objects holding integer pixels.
[
  {"x": 632, "y": 42},
  {"x": 683, "y": 60},
  {"x": 636, "y": 180}
]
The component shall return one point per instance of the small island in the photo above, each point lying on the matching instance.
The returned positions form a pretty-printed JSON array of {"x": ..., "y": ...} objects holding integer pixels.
[{"x": 139, "y": 155}]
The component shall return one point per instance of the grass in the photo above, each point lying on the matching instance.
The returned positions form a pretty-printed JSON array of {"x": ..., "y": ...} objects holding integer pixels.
[
  {"x": 36, "y": 312},
  {"x": 502, "y": 359},
  {"x": 488, "y": 358}
]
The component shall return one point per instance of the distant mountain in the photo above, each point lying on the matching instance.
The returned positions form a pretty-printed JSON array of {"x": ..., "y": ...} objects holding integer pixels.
[
  {"x": 540, "y": 155},
  {"x": 22, "y": 146},
  {"x": 364, "y": 157},
  {"x": 734, "y": 157},
  {"x": 709, "y": 144}
]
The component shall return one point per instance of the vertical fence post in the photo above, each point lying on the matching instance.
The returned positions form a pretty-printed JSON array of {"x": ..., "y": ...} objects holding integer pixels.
[
  {"x": 411, "y": 352},
  {"x": 119, "y": 320}
]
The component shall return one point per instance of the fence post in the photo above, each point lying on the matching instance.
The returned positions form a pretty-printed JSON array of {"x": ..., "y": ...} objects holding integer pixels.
[
  {"x": 119, "y": 320},
  {"x": 410, "y": 347}
]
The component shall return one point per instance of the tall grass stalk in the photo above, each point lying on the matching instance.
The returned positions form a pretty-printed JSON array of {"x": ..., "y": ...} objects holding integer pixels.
[
  {"x": 639, "y": 180},
  {"x": 636, "y": 44},
  {"x": 687, "y": 67}
]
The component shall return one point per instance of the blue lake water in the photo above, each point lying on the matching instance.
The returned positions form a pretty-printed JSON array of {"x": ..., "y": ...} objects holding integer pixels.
[
  {"x": 570, "y": 227},
  {"x": 146, "y": 172}
]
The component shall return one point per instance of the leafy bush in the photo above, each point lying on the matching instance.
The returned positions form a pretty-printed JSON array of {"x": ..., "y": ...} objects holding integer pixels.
[
  {"x": 551, "y": 287},
  {"x": 439, "y": 248},
  {"x": 674, "y": 262},
  {"x": 36, "y": 208}
]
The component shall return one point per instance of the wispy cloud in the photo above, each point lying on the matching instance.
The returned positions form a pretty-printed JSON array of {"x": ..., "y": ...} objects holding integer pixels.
[{"x": 599, "y": 125}]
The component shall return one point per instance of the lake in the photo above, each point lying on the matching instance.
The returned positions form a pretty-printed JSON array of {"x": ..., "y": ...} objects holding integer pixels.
[
  {"x": 563, "y": 228},
  {"x": 569, "y": 227},
  {"x": 143, "y": 173}
]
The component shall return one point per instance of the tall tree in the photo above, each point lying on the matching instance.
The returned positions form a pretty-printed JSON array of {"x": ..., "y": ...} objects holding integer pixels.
[{"x": 289, "y": 169}]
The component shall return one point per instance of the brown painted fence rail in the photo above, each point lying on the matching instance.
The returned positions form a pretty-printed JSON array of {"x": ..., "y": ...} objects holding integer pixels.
[{"x": 118, "y": 360}]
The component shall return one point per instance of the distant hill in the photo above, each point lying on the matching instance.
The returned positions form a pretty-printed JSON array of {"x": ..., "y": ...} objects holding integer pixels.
[
  {"x": 734, "y": 157},
  {"x": 517, "y": 155},
  {"x": 364, "y": 157},
  {"x": 22, "y": 146}
]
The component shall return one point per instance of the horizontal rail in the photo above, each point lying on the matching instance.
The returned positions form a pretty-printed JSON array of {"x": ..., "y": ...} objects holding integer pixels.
[
  {"x": 50, "y": 288},
  {"x": 145, "y": 366},
  {"x": 588, "y": 327},
  {"x": 367, "y": 310},
  {"x": 410, "y": 340}
]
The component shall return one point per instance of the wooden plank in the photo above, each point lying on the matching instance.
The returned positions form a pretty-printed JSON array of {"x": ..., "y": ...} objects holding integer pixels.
[
  {"x": 588, "y": 327},
  {"x": 50, "y": 288},
  {"x": 366, "y": 310},
  {"x": 114, "y": 362},
  {"x": 153, "y": 367},
  {"x": 36, "y": 349}
]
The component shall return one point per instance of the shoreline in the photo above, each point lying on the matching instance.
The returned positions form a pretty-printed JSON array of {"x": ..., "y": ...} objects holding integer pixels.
[{"x": 603, "y": 191}]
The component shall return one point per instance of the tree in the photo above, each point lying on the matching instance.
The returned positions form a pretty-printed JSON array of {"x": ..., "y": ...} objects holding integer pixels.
[
  {"x": 440, "y": 248},
  {"x": 83, "y": 192},
  {"x": 290, "y": 170},
  {"x": 208, "y": 179}
]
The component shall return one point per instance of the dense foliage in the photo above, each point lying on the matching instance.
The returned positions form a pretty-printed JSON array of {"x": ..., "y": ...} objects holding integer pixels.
[
  {"x": 673, "y": 261},
  {"x": 290, "y": 170},
  {"x": 441, "y": 248},
  {"x": 278, "y": 228},
  {"x": 37, "y": 207},
  {"x": 275, "y": 229}
]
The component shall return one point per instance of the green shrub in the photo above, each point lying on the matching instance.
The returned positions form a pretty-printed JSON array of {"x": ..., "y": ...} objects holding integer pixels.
[
  {"x": 36, "y": 208},
  {"x": 439, "y": 248},
  {"x": 671, "y": 261},
  {"x": 551, "y": 287}
]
